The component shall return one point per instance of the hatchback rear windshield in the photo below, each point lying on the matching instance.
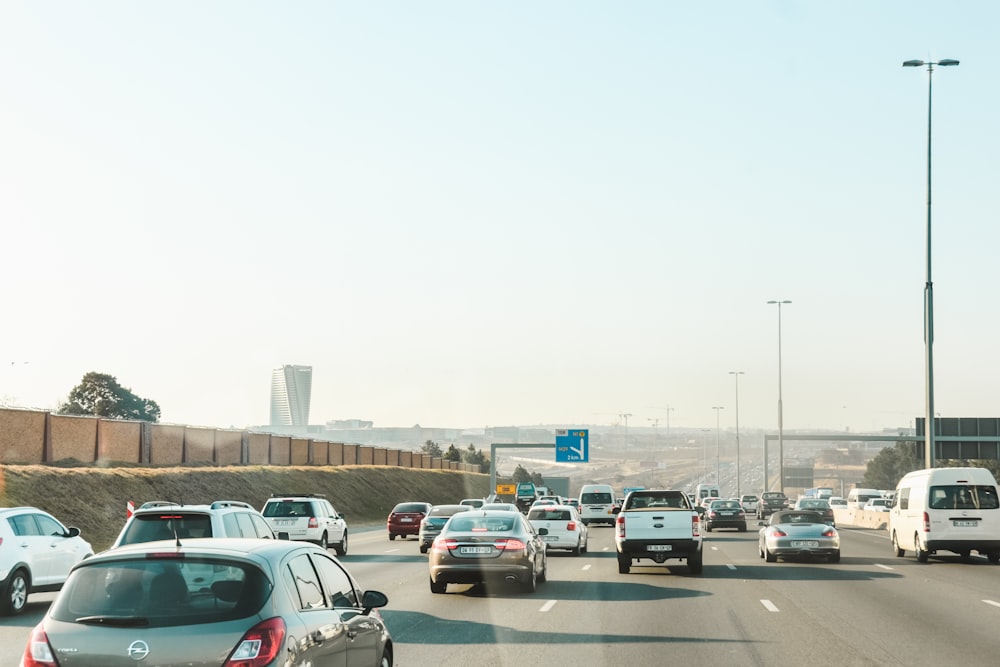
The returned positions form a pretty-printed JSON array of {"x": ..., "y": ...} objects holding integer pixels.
[
  {"x": 772, "y": 496},
  {"x": 963, "y": 496},
  {"x": 409, "y": 508},
  {"x": 596, "y": 498},
  {"x": 161, "y": 592},
  {"x": 167, "y": 526},
  {"x": 289, "y": 508},
  {"x": 543, "y": 514}
]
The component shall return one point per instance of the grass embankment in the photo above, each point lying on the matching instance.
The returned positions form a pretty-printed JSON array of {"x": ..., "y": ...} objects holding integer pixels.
[{"x": 94, "y": 499}]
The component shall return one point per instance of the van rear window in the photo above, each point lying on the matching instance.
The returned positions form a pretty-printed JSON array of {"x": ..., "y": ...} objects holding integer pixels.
[
  {"x": 596, "y": 499},
  {"x": 962, "y": 496}
]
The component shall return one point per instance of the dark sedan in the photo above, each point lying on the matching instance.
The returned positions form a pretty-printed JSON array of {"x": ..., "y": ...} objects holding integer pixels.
[
  {"x": 818, "y": 505},
  {"x": 432, "y": 524},
  {"x": 725, "y": 514},
  {"x": 490, "y": 546}
]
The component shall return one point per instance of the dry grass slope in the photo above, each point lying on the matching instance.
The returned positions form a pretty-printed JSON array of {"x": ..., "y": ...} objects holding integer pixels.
[{"x": 94, "y": 498}]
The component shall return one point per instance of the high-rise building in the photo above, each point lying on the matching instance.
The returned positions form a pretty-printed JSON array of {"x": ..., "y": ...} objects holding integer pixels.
[{"x": 291, "y": 388}]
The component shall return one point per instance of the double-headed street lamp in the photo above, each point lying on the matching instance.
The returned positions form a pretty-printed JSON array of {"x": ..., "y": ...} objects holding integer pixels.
[
  {"x": 781, "y": 428},
  {"x": 736, "y": 376},
  {"x": 929, "y": 285}
]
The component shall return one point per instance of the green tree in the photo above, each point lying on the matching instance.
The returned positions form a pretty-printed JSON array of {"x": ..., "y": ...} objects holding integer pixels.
[
  {"x": 432, "y": 448},
  {"x": 889, "y": 465},
  {"x": 536, "y": 478},
  {"x": 474, "y": 456},
  {"x": 520, "y": 475},
  {"x": 452, "y": 454},
  {"x": 99, "y": 394}
]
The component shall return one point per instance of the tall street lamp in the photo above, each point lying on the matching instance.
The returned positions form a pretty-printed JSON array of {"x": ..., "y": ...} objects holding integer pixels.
[
  {"x": 718, "y": 472},
  {"x": 736, "y": 376},
  {"x": 781, "y": 427},
  {"x": 929, "y": 285},
  {"x": 704, "y": 455},
  {"x": 625, "y": 416}
]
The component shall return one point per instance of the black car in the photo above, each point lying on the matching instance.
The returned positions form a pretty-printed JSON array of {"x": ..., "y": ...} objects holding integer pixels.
[
  {"x": 771, "y": 501},
  {"x": 725, "y": 514}
]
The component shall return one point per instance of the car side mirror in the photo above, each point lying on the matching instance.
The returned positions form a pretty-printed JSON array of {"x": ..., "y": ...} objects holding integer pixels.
[
  {"x": 616, "y": 509},
  {"x": 72, "y": 531},
  {"x": 543, "y": 531},
  {"x": 373, "y": 600}
]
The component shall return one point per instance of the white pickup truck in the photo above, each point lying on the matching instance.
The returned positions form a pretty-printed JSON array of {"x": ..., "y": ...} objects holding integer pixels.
[{"x": 658, "y": 525}]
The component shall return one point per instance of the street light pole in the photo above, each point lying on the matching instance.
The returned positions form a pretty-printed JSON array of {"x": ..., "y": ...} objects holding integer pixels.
[
  {"x": 704, "y": 456},
  {"x": 625, "y": 416},
  {"x": 718, "y": 471},
  {"x": 929, "y": 421},
  {"x": 781, "y": 427},
  {"x": 736, "y": 376}
]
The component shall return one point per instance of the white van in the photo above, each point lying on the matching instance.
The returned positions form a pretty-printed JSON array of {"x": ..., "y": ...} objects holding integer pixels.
[
  {"x": 856, "y": 498},
  {"x": 703, "y": 491},
  {"x": 946, "y": 509},
  {"x": 597, "y": 502}
]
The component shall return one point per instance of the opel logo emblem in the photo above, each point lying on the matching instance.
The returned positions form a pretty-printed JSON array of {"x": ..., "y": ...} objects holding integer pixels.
[{"x": 138, "y": 650}]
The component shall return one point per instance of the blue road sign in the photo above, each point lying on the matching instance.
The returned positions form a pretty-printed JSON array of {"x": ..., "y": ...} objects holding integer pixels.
[{"x": 573, "y": 445}]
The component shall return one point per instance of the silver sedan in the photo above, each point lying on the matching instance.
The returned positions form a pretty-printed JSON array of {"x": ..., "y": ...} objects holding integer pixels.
[{"x": 798, "y": 534}]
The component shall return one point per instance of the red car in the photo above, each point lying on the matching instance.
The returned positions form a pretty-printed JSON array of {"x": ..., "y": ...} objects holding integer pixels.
[{"x": 405, "y": 518}]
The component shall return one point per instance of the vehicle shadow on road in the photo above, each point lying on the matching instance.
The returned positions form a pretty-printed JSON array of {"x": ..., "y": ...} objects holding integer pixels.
[
  {"x": 803, "y": 570},
  {"x": 415, "y": 627},
  {"x": 384, "y": 558},
  {"x": 614, "y": 591}
]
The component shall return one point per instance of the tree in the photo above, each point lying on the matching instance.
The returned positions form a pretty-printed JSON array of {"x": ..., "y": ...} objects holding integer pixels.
[
  {"x": 432, "y": 448},
  {"x": 452, "y": 454},
  {"x": 99, "y": 394},
  {"x": 474, "y": 456},
  {"x": 890, "y": 464},
  {"x": 520, "y": 475}
]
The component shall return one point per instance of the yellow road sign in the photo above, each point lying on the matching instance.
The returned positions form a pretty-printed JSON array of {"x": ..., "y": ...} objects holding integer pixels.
[{"x": 506, "y": 489}]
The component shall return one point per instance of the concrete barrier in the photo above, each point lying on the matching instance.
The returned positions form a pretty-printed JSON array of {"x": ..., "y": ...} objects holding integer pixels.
[{"x": 861, "y": 518}]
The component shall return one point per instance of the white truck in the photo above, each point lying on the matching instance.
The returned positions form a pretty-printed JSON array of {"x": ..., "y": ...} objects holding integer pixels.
[{"x": 658, "y": 525}]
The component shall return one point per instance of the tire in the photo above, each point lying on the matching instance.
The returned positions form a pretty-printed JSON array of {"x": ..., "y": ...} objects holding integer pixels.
[
  {"x": 322, "y": 542},
  {"x": 544, "y": 574},
  {"x": 966, "y": 556},
  {"x": 835, "y": 558},
  {"x": 624, "y": 563},
  {"x": 577, "y": 550},
  {"x": 768, "y": 556},
  {"x": 531, "y": 585},
  {"x": 391, "y": 537},
  {"x": 584, "y": 548},
  {"x": 922, "y": 554},
  {"x": 438, "y": 586},
  {"x": 898, "y": 550},
  {"x": 386, "y": 659},
  {"x": 743, "y": 528},
  {"x": 341, "y": 547},
  {"x": 760, "y": 551},
  {"x": 993, "y": 557},
  {"x": 15, "y": 598},
  {"x": 423, "y": 548},
  {"x": 694, "y": 562},
  {"x": 708, "y": 528}
]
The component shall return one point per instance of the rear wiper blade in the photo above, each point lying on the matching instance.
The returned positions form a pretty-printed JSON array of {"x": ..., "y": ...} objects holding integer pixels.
[{"x": 119, "y": 621}]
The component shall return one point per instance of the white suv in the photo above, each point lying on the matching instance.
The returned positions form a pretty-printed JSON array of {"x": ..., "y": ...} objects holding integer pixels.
[
  {"x": 36, "y": 554},
  {"x": 308, "y": 517},
  {"x": 160, "y": 520}
]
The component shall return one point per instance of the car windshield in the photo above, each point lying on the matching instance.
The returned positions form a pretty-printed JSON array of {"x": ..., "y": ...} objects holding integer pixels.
[
  {"x": 481, "y": 524},
  {"x": 410, "y": 508},
  {"x": 543, "y": 514}
]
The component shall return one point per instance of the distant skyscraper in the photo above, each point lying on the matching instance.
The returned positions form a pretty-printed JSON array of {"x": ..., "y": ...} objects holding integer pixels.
[{"x": 291, "y": 388}]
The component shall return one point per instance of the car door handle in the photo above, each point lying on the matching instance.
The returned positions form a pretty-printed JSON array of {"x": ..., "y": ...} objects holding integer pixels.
[{"x": 351, "y": 634}]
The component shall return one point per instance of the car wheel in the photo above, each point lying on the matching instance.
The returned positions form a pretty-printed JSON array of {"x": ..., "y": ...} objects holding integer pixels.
[
  {"x": 760, "y": 551},
  {"x": 624, "y": 563},
  {"x": 695, "y": 563},
  {"x": 391, "y": 537},
  {"x": 993, "y": 557},
  {"x": 16, "y": 597},
  {"x": 708, "y": 528},
  {"x": 768, "y": 556},
  {"x": 322, "y": 542},
  {"x": 438, "y": 586},
  {"x": 966, "y": 555},
  {"x": 386, "y": 660},
  {"x": 743, "y": 528},
  {"x": 423, "y": 548},
  {"x": 544, "y": 574},
  {"x": 531, "y": 584},
  {"x": 342, "y": 546},
  {"x": 584, "y": 548},
  {"x": 898, "y": 550},
  {"x": 835, "y": 557},
  {"x": 922, "y": 554}
]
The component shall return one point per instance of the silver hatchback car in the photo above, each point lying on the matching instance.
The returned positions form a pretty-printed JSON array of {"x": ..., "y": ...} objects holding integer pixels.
[{"x": 212, "y": 601}]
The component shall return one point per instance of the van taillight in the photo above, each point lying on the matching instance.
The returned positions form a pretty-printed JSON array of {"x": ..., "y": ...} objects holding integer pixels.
[{"x": 927, "y": 523}]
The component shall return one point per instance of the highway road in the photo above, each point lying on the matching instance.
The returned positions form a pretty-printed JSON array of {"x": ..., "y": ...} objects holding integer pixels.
[{"x": 870, "y": 609}]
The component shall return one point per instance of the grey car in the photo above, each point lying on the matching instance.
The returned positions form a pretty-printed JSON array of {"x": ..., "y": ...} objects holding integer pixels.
[
  {"x": 212, "y": 601},
  {"x": 431, "y": 525}
]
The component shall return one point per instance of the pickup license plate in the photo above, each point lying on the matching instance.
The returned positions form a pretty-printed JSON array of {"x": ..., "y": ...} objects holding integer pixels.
[
  {"x": 475, "y": 550},
  {"x": 660, "y": 547},
  {"x": 964, "y": 524},
  {"x": 804, "y": 543}
]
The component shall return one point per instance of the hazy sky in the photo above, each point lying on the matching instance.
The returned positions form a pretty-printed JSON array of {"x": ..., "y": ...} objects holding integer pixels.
[{"x": 490, "y": 213}]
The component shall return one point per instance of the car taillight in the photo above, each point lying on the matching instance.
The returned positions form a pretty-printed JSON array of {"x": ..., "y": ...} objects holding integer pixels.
[
  {"x": 695, "y": 525},
  {"x": 571, "y": 525},
  {"x": 38, "y": 653},
  {"x": 830, "y": 532},
  {"x": 509, "y": 544},
  {"x": 620, "y": 526},
  {"x": 259, "y": 646},
  {"x": 777, "y": 532},
  {"x": 313, "y": 522},
  {"x": 927, "y": 523},
  {"x": 712, "y": 513},
  {"x": 441, "y": 544}
]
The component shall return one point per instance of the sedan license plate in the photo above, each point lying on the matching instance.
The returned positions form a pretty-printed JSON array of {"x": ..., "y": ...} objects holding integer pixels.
[
  {"x": 660, "y": 547},
  {"x": 405, "y": 519},
  {"x": 725, "y": 513},
  {"x": 804, "y": 543},
  {"x": 964, "y": 524},
  {"x": 474, "y": 550}
]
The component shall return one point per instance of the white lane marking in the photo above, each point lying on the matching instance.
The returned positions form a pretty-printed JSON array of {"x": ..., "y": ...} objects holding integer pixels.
[
  {"x": 715, "y": 548},
  {"x": 606, "y": 549},
  {"x": 548, "y": 605},
  {"x": 586, "y": 567},
  {"x": 768, "y": 605},
  {"x": 391, "y": 551},
  {"x": 884, "y": 567},
  {"x": 995, "y": 604},
  {"x": 730, "y": 566}
]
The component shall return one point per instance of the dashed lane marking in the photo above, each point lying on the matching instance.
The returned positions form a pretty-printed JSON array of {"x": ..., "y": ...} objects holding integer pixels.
[
  {"x": 548, "y": 605},
  {"x": 884, "y": 567},
  {"x": 586, "y": 567},
  {"x": 995, "y": 604},
  {"x": 768, "y": 605}
]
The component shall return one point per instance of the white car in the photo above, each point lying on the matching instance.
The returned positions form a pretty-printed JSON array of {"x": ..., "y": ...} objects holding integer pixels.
[
  {"x": 160, "y": 520},
  {"x": 36, "y": 555},
  {"x": 877, "y": 505},
  {"x": 504, "y": 507},
  {"x": 565, "y": 529},
  {"x": 838, "y": 503},
  {"x": 307, "y": 517}
]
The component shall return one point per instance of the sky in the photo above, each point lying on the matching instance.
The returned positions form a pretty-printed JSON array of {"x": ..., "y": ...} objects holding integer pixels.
[{"x": 468, "y": 214}]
